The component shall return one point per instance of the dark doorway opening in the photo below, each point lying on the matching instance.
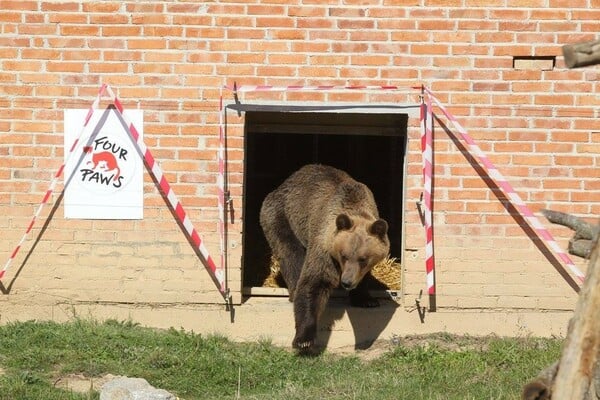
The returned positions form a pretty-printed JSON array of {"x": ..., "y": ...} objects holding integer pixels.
[{"x": 370, "y": 147}]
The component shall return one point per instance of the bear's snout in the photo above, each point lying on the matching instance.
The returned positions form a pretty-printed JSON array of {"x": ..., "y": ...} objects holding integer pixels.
[
  {"x": 347, "y": 284},
  {"x": 350, "y": 277}
]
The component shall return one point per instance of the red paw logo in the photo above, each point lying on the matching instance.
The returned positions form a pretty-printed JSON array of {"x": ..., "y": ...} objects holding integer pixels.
[{"x": 107, "y": 164}]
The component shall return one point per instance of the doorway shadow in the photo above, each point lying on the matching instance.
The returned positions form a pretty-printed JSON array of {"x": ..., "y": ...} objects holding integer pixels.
[{"x": 367, "y": 324}]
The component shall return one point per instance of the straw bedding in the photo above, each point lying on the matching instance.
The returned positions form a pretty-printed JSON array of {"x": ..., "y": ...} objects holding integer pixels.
[{"x": 388, "y": 272}]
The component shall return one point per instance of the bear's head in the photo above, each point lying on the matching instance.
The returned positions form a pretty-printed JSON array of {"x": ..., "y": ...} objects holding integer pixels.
[{"x": 358, "y": 245}]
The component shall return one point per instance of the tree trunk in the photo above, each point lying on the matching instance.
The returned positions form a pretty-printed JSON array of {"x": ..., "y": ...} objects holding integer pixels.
[
  {"x": 576, "y": 376},
  {"x": 577, "y": 369},
  {"x": 582, "y": 54}
]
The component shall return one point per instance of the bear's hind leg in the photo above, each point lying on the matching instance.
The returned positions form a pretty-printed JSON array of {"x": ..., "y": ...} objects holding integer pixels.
[
  {"x": 290, "y": 253},
  {"x": 285, "y": 246}
]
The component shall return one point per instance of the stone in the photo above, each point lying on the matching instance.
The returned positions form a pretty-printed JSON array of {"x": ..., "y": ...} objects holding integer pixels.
[{"x": 125, "y": 388}]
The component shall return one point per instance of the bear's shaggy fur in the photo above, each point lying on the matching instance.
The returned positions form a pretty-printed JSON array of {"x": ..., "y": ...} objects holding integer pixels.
[{"x": 324, "y": 229}]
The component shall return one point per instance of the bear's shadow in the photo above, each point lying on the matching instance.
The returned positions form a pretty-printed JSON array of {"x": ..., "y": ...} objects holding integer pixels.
[{"x": 367, "y": 324}]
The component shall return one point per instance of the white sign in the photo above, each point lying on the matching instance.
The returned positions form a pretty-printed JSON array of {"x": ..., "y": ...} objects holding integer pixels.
[{"x": 104, "y": 174}]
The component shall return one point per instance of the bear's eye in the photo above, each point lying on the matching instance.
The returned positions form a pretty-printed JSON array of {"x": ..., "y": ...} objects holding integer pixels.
[{"x": 362, "y": 261}]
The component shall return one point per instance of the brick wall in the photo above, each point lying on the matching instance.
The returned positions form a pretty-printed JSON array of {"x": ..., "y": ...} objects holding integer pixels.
[{"x": 539, "y": 127}]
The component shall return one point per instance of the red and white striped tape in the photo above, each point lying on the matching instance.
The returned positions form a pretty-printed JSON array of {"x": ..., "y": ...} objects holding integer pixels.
[
  {"x": 216, "y": 273},
  {"x": 427, "y": 155},
  {"x": 299, "y": 88},
  {"x": 54, "y": 181},
  {"x": 512, "y": 195}
]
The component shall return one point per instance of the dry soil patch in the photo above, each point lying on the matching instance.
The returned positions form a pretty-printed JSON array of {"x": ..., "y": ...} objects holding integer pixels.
[{"x": 82, "y": 384}]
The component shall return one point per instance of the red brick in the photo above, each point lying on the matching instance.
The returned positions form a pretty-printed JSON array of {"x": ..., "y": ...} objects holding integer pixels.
[
  {"x": 34, "y": 66},
  {"x": 148, "y": 19},
  {"x": 204, "y": 32},
  {"x": 550, "y": 14},
  {"x": 429, "y": 49},
  {"x": 478, "y": 25},
  {"x": 140, "y": 44},
  {"x": 347, "y": 12},
  {"x": 23, "y": 5},
  {"x": 246, "y": 58},
  {"x": 570, "y": 136},
  {"x": 80, "y": 30},
  {"x": 554, "y": 99},
  {"x": 274, "y": 22},
  {"x": 55, "y": 91},
  {"x": 121, "y": 31},
  {"x": 509, "y": 14},
  {"x": 562, "y": 184},
  {"x": 532, "y": 159},
  {"x": 586, "y": 197},
  {"x": 54, "y": 66},
  {"x": 529, "y": 86},
  {"x": 512, "y": 99},
  {"x": 13, "y": 17},
  {"x": 576, "y": 160},
  {"x": 590, "y": 15},
  {"x": 102, "y": 7},
  {"x": 568, "y": 4},
  {"x": 368, "y": 35},
  {"x": 109, "y": 19},
  {"x": 554, "y": 148},
  {"x": 64, "y": 18},
  {"x": 184, "y": 8},
  {"x": 276, "y": 71},
  {"x": 247, "y": 33},
  {"x": 260, "y": 9}
]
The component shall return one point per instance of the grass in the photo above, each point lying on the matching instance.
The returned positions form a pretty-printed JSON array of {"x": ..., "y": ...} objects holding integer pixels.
[{"x": 35, "y": 354}]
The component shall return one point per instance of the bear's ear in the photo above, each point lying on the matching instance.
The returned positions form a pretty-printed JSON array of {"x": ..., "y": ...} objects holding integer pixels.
[
  {"x": 343, "y": 222},
  {"x": 379, "y": 228}
]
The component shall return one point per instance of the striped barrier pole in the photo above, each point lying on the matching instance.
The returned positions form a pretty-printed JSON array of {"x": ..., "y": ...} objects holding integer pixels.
[
  {"x": 54, "y": 181},
  {"x": 427, "y": 156},
  {"x": 215, "y": 273},
  {"x": 222, "y": 201},
  {"x": 512, "y": 195}
]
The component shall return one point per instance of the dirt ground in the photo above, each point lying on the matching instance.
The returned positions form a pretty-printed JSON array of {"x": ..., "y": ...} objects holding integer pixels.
[{"x": 82, "y": 384}]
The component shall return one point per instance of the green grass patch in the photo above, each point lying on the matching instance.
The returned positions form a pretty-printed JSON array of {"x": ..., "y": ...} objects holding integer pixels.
[{"x": 35, "y": 355}]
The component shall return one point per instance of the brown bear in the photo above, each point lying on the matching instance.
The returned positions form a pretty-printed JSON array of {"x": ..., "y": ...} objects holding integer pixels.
[{"x": 324, "y": 229}]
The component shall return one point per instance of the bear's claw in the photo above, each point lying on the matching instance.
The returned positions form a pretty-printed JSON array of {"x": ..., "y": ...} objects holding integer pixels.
[
  {"x": 304, "y": 345},
  {"x": 307, "y": 348}
]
